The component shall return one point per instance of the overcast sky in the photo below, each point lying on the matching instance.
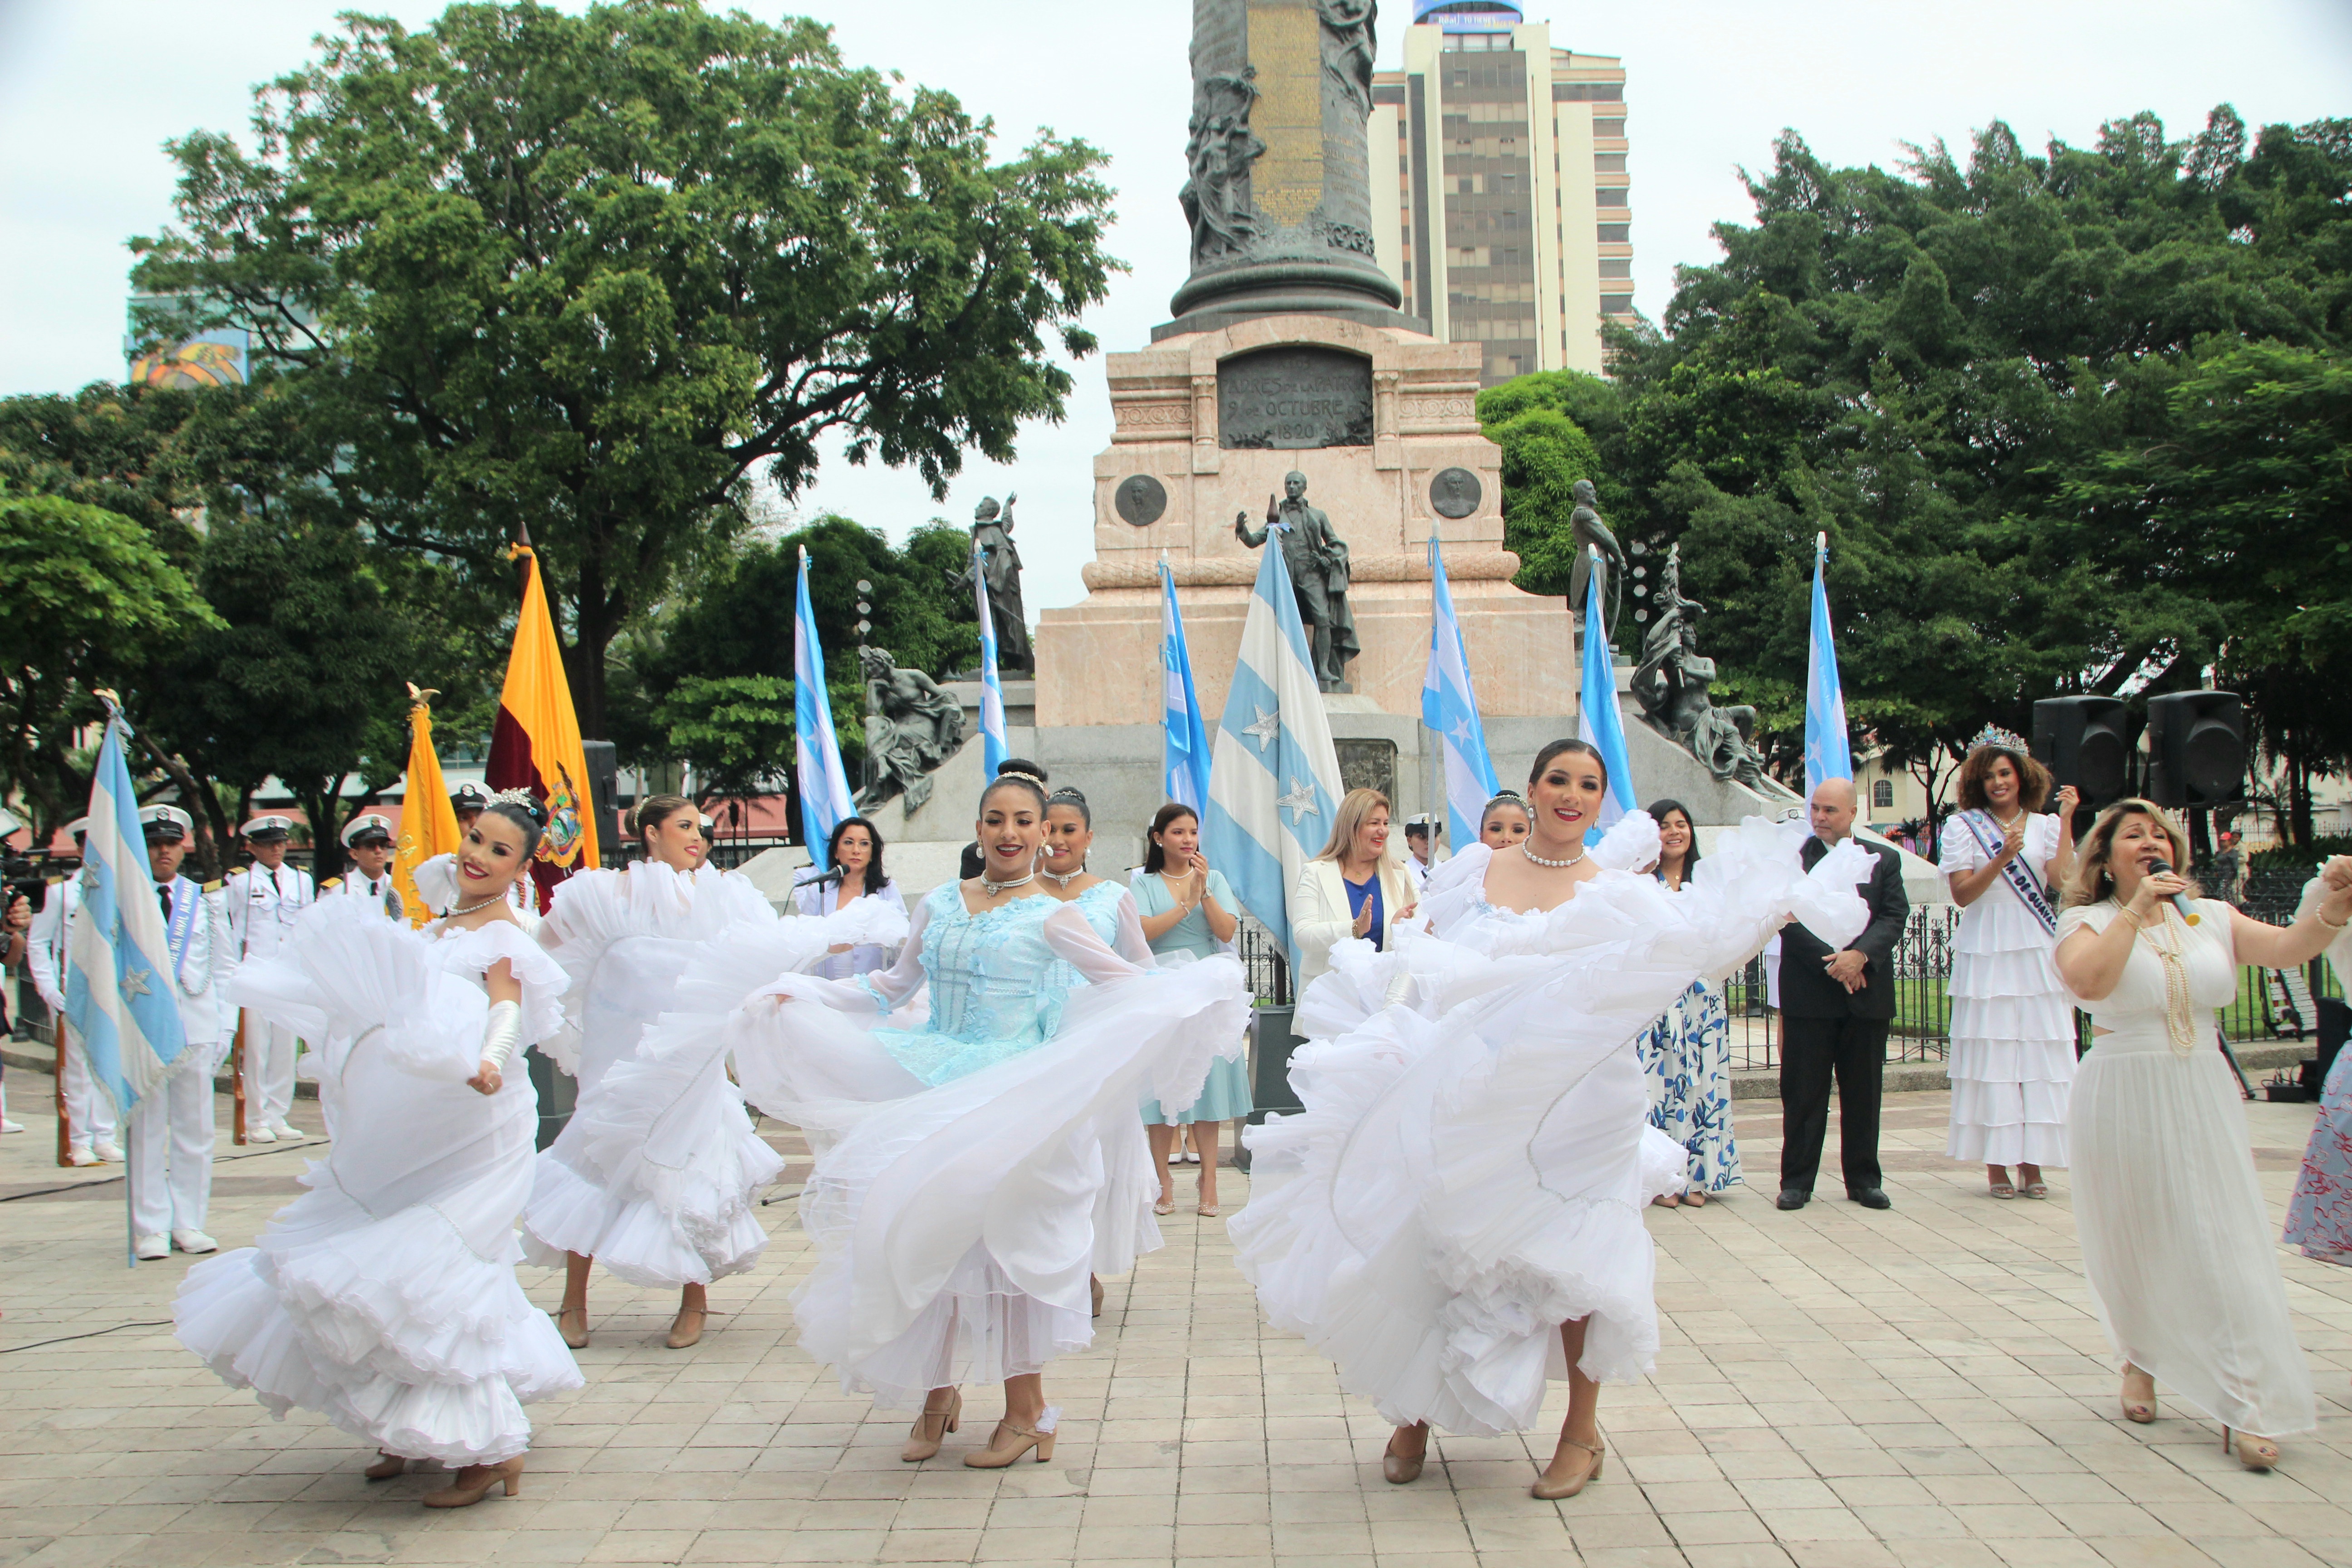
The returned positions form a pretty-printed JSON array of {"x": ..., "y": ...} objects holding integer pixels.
[{"x": 89, "y": 90}]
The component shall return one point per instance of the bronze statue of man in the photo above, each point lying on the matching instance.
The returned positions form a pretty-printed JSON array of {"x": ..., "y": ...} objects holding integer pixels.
[
  {"x": 1317, "y": 561},
  {"x": 1588, "y": 531},
  {"x": 999, "y": 565}
]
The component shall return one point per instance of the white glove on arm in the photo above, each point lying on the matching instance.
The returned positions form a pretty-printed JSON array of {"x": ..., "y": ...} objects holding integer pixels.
[{"x": 499, "y": 1035}]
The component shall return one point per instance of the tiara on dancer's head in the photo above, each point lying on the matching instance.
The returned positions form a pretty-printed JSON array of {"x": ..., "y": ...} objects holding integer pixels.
[
  {"x": 523, "y": 798},
  {"x": 2000, "y": 740},
  {"x": 1514, "y": 796},
  {"x": 1021, "y": 773},
  {"x": 1067, "y": 792}
]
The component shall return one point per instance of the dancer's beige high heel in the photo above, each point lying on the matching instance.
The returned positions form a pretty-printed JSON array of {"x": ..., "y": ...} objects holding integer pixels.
[
  {"x": 2142, "y": 1411},
  {"x": 1007, "y": 1444},
  {"x": 1550, "y": 1490},
  {"x": 475, "y": 1482},
  {"x": 932, "y": 1428},
  {"x": 2254, "y": 1452},
  {"x": 1403, "y": 1469},
  {"x": 386, "y": 1466},
  {"x": 577, "y": 1338}
]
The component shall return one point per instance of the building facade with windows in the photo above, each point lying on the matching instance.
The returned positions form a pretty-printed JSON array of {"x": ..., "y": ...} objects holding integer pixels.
[{"x": 1512, "y": 223}]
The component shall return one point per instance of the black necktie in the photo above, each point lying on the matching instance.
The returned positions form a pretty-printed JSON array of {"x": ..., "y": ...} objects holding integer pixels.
[{"x": 163, "y": 893}]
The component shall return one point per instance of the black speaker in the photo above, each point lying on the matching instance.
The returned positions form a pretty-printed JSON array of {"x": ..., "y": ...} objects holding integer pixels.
[
  {"x": 2083, "y": 742},
  {"x": 2196, "y": 749},
  {"x": 604, "y": 794}
]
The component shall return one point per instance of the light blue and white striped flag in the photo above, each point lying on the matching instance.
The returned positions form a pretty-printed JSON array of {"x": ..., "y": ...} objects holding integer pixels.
[
  {"x": 1599, "y": 723},
  {"x": 1273, "y": 778},
  {"x": 992, "y": 749},
  {"x": 1450, "y": 708},
  {"x": 1184, "y": 752},
  {"x": 825, "y": 785},
  {"x": 120, "y": 993},
  {"x": 1827, "y": 753}
]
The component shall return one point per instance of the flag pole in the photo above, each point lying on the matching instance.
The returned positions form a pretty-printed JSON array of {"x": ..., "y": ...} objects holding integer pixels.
[
  {"x": 1434, "y": 805},
  {"x": 124, "y": 1129}
]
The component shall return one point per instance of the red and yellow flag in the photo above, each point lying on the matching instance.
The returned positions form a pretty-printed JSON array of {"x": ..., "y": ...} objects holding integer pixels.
[
  {"x": 427, "y": 825},
  {"x": 535, "y": 743}
]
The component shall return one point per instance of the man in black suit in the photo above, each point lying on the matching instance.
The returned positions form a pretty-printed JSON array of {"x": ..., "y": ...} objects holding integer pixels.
[{"x": 1835, "y": 1007}]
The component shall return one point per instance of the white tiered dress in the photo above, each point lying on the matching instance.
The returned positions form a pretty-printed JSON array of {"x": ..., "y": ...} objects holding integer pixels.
[
  {"x": 659, "y": 1172},
  {"x": 2177, "y": 1241},
  {"x": 385, "y": 1298},
  {"x": 978, "y": 1160},
  {"x": 2013, "y": 1061},
  {"x": 1470, "y": 1169}
]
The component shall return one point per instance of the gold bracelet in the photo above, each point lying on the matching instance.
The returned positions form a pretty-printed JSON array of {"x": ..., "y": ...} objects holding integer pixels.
[{"x": 2138, "y": 924}]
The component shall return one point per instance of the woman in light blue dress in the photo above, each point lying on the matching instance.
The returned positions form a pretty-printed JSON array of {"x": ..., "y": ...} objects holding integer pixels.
[
  {"x": 1686, "y": 1054},
  {"x": 1187, "y": 908},
  {"x": 978, "y": 1161}
]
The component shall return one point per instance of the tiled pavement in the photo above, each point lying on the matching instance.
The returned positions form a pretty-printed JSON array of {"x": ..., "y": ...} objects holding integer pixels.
[{"x": 1923, "y": 1387}]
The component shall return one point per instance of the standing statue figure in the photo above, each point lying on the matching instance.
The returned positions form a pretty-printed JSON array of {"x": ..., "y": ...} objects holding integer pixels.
[
  {"x": 1587, "y": 529},
  {"x": 1318, "y": 560},
  {"x": 1350, "y": 46},
  {"x": 999, "y": 563},
  {"x": 1219, "y": 153},
  {"x": 912, "y": 727}
]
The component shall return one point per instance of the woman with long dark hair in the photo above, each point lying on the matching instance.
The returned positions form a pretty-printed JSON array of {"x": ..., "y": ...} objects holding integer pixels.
[
  {"x": 1188, "y": 908},
  {"x": 1456, "y": 1216},
  {"x": 853, "y": 851},
  {"x": 384, "y": 1298},
  {"x": 1686, "y": 1054}
]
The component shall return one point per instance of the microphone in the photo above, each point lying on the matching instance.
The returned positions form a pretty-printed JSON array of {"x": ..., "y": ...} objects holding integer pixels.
[{"x": 2187, "y": 911}]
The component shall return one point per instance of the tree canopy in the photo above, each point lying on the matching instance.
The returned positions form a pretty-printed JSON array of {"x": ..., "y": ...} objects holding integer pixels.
[{"x": 593, "y": 273}]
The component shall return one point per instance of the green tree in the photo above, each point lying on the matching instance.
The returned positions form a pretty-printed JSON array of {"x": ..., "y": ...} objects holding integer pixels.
[
  {"x": 86, "y": 599},
  {"x": 1545, "y": 452},
  {"x": 590, "y": 273}
]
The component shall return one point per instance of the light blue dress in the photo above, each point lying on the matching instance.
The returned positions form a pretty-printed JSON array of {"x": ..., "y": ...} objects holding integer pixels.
[{"x": 1226, "y": 1095}]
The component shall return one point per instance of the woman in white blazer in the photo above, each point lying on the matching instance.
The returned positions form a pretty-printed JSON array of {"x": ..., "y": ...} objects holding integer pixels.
[{"x": 1353, "y": 889}]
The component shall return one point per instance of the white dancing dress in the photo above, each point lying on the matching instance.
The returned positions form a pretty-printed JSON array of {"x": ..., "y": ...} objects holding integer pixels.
[
  {"x": 384, "y": 1298},
  {"x": 2177, "y": 1241},
  {"x": 978, "y": 1161},
  {"x": 1470, "y": 1168},
  {"x": 2013, "y": 1062},
  {"x": 659, "y": 1172}
]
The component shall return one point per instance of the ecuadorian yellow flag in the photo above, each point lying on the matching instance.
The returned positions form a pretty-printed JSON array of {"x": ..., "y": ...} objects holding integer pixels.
[
  {"x": 535, "y": 743},
  {"x": 427, "y": 825}
]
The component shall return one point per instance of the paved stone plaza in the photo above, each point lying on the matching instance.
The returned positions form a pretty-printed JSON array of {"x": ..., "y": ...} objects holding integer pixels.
[{"x": 1837, "y": 1388}]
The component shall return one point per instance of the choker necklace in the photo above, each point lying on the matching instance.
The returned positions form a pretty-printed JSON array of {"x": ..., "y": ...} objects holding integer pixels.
[
  {"x": 469, "y": 909},
  {"x": 1534, "y": 858},
  {"x": 1062, "y": 880},
  {"x": 989, "y": 890}
]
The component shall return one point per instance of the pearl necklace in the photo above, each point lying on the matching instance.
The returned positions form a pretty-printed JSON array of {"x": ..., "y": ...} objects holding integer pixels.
[
  {"x": 469, "y": 909},
  {"x": 1062, "y": 879},
  {"x": 989, "y": 890},
  {"x": 1535, "y": 860}
]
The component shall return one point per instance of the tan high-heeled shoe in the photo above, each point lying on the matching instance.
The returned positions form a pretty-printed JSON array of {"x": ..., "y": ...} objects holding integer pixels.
[
  {"x": 386, "y": 1466},
  {"x": 1022, "y": 1439},
  {"x": 682, "y": 1335},
  {"x": 475, "y": 1481},
  {"x": 576, "y": 1338},
  {"x": 1095, "y": 1288},
  {"x": 922, "y": 1441},
  {"x": 1403, "y": 1469},
  {"x": 1551, "y": 1490},
  {"x": 2141, "y": 1411},
  {"x": 2254, "y": 1452}
]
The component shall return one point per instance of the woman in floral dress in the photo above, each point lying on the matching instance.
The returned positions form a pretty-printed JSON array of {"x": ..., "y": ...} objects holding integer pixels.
[
  {"x": 2319, "y": 1216},
  {"x": 1686, "y": 1054}
]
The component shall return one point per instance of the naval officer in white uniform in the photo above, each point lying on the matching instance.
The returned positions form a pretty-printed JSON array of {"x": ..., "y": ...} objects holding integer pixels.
[
  {"x": 368, "y": 841},
  {"x": 263, "y": 900},
  {"x": 89, "y": 1110},
  {"x": 171, "y": 1126}
]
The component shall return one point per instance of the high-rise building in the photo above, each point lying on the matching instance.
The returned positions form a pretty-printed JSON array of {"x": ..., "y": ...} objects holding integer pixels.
[{"x": 1512, "y": 223}]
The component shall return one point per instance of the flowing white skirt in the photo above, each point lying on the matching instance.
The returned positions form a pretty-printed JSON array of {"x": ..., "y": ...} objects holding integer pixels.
[
  {"x": 957, "y": 1225},
  {"x": 384, "y": 1298},
  {"x": 2012, "y": 1059},
  {"x": 2177, "y": 1241},
  {"x": 1472, "y": 1164}
]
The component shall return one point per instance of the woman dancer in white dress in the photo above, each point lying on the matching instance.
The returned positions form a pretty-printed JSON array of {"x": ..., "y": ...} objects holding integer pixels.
[
  {"x": 1456, "y": 1215},
  {"x": 659, "y": 1172},
  {"x": 1505, "y": 821},
  {"x": 2177, "y": 1244},
  {"x": 964, "y": 1182},
  {"x": 2013, "y": 1061},
  {"x": 385, "y": 1298},
  {"x": 853, "y": 851}
]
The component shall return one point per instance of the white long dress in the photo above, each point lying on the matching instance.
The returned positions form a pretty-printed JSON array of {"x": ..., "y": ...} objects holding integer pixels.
[
  {"x": 978, "y": 1160},
  {"x": 2012, "y": 1061},
  {"x": 384, "y": 1298},
  {"x": 1471, "y": 1167},
  {"x": 659, "y": 1172},
  {"x": 2177, "y": 1242}
]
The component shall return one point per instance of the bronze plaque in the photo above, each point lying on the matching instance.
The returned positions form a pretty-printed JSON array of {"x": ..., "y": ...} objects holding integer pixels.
[
  {"x": 1455, "y": 493},
  {"x": 1369, "y": 765},
  {"x": 1140, "y": 500},
  {"x": 1295, "y": 398}
]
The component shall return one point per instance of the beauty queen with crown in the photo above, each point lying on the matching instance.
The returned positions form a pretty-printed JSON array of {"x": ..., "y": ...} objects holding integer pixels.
[{"x": 384, "y": 1298}]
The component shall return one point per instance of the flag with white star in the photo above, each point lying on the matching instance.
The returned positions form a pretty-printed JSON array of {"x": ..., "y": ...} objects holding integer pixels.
[
  {"x": 1184, "y": 745},
  {"x": 1274, "y": 773},
  {"x": 1450, "y": 708},
  {"x": 119, "y": 994},
  {"x": 1600, "y": 721}
]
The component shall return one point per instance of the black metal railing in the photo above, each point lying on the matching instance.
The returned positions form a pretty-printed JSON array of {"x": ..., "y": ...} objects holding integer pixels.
[{"x": 1267, "y": 966}]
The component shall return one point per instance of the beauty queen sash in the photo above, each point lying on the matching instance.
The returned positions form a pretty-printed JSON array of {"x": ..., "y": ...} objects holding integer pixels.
[{"x": 2023, "y": 883}]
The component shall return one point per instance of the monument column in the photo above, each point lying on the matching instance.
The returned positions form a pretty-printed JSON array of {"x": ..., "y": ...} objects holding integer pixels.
[{"x": 1279, "y": 195}]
